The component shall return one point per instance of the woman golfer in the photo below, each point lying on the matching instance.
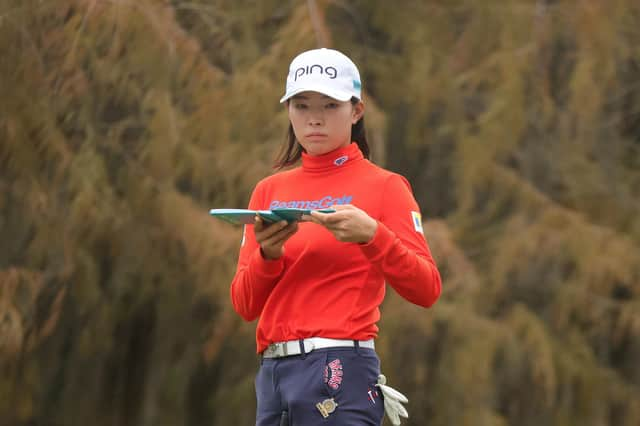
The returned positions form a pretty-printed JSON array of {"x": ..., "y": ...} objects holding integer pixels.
[{"x": 316, "y": 285}]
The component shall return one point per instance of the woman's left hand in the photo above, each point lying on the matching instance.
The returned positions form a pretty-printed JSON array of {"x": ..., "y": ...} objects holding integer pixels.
[{"x": 348, "y": 224}]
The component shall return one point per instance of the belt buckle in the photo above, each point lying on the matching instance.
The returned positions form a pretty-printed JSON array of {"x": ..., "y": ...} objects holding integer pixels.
[{"x": 277, "y": 350}]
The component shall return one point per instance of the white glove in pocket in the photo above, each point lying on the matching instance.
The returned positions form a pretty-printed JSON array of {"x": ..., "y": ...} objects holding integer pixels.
[{"x": 393, "y": 401}]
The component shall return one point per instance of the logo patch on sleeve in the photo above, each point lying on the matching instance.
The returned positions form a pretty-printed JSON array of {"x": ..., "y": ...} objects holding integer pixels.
[{"x": 416, "y": 217}]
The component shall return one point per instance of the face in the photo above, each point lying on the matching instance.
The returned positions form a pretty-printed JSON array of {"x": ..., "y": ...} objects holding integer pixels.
[{"x": 322, "y": 124}]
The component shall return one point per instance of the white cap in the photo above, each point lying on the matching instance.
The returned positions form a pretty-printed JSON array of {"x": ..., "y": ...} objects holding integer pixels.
[{"x": 325, "y": 71}]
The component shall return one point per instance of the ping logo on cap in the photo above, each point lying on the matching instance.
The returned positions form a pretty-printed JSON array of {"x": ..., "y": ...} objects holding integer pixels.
[
  {"x": 324, "y": 71},
  {"x": 416, "y": 217},
  {"x": 310, "y": 69}
]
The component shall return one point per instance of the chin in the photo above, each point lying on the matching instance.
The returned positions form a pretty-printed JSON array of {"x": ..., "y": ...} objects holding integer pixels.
[
  {"x": 316, "y": 148},
  {"x": 320, "y": 148}
]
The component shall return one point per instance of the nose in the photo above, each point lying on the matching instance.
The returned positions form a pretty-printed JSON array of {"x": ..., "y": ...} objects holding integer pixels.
[
  {"x": 315, "y": 118},
  {"x": 314, "y": 121}
]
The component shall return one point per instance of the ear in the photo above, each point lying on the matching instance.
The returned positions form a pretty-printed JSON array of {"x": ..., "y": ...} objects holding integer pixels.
[{"x": 357, "y": 112}]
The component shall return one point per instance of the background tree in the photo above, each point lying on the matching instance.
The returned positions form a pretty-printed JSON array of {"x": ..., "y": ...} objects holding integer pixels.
[{"x": 122, "y": 123}]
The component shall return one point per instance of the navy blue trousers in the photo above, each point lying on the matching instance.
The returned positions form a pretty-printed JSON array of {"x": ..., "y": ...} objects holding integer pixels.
[{"x": 334, "y": 386}]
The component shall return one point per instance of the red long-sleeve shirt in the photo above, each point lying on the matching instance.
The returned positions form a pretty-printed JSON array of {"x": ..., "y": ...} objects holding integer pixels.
[{"x": 324, "y": 287}]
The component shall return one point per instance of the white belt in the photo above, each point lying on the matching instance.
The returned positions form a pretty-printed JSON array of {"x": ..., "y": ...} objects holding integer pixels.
[{"x": 292, "y": 347}]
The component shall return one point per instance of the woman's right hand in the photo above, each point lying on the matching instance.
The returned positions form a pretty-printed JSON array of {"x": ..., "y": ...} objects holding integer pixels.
[{"x": 272, "y": 236}]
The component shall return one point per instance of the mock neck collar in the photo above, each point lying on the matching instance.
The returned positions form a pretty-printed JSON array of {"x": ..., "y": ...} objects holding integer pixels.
[{"x": 334, "y": 160}]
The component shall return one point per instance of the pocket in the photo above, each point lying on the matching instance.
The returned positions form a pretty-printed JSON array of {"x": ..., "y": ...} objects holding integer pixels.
[
  {"x": 351, "y": 379},
  {"x": 346, "y": 369},
  {"x": 333, "y": 372},
  {"x": 371, "y": 366}
]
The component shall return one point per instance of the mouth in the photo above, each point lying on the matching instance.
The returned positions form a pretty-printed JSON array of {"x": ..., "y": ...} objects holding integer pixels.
[{"x": 316, "y": 135}]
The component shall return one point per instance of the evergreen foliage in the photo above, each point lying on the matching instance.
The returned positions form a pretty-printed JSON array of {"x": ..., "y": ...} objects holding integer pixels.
[{"x": 122, "y": 122}]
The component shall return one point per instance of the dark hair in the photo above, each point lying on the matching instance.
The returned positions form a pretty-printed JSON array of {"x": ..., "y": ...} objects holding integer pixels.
[{"x": 292, "y": 150}]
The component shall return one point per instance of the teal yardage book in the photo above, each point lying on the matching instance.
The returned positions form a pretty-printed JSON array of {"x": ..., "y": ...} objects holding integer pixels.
[{"x": 246, "y": 216}]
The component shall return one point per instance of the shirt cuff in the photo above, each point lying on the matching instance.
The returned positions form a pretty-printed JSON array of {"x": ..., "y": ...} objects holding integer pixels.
[
  {"x": 376, "y": 249},
  {"x": 266, "y": 269}
]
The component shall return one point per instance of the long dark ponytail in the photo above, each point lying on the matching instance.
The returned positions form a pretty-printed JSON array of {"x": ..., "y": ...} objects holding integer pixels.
[{"x": 292, "y": 151}]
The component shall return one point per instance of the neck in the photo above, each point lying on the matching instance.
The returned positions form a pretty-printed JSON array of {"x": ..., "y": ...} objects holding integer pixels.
[{"x": 334, "y": 160}]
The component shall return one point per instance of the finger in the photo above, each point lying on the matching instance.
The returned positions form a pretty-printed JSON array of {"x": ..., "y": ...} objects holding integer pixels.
[
  {"x": 338, "y": 207},
  {"x": 393, "y": 416},
  {"x": 329, "y": 218},
  {"x": 268, "y": 231},
  {"x": 403, "y": 411},
  {"x": 392, "y": 393},
  {"x": 281, "y": 236},
  {"x": 318, "y": 215},
  {"x": 280, "y": 239},
  {"x": 261, "y": 224},
  {"x": 276, "y": 242},
  {"x": 258, "y": 224},
  {"x": 313, "y": 219},
  {"x": 288, "y": 230}
]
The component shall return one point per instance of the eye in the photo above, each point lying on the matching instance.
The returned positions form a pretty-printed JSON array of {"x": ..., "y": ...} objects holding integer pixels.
[
  {"x": 332, "y": 105},
  {"x": 299, "y": 106}
]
